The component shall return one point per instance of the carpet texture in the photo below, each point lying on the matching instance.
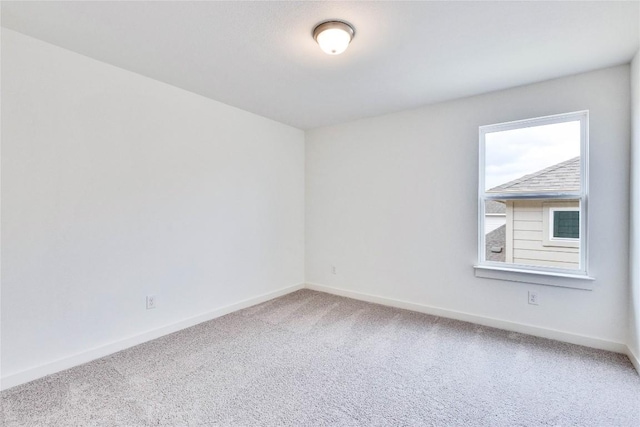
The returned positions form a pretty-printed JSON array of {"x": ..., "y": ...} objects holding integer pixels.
[{"x": 313, "y": 359}]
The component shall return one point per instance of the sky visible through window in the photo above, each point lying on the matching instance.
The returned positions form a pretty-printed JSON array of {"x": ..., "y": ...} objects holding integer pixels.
[{"x": 514, "y": 153}]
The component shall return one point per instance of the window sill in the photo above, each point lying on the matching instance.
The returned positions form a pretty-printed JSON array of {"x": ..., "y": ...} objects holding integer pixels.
[{"x": 548, "y": 278}]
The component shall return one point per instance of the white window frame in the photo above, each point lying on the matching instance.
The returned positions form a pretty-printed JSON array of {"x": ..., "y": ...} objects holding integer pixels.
[{"x": 574, "y": 278}]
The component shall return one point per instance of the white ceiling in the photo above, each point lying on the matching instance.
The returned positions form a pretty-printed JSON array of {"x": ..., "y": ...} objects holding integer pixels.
[{"x": 260, "y": 56}]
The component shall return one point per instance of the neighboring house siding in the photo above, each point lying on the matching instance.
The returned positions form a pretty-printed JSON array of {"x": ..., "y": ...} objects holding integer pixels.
[
  {"x": 525, "y": 230},
  {"x": 493, "y": 221}
]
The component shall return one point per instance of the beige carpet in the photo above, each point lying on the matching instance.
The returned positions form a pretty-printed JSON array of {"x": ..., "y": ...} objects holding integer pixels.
[{"x": 310, "y": 359}]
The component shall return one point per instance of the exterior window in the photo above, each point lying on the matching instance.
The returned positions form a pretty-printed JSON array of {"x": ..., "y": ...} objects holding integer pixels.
[
  {"x": 533, "y": 195},
  {"x": 566, "y": 224},
  {"x": 561, "y": 224}
]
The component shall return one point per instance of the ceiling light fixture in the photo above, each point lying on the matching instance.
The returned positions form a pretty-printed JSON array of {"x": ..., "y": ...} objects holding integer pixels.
[{"x": 333, "y": 36}]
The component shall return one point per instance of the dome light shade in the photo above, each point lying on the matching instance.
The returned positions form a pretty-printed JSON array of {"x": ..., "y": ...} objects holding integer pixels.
[{"x": 333, "y": 36}]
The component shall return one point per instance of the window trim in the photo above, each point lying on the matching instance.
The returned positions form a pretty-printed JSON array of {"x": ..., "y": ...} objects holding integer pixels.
[{"x": 530, "y": 272}]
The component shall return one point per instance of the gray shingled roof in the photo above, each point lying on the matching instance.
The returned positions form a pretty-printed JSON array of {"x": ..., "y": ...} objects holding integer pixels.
[
  {"x": 494, "y": 207},
  {"x": 563, "y": 176}
]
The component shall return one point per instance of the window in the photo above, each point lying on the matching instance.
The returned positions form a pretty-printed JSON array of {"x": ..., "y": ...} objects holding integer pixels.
[
  {"x": 534, "y": 173},
  {"x": 561, "y": 224},
  {"x": 566, "y": 224}
]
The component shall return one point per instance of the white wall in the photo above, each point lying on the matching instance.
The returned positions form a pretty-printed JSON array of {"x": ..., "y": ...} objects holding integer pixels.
[
  {"x": 391, "y": 202},
  {"x": 634, "y": 309},
  {"x": 116, "y": 186}
]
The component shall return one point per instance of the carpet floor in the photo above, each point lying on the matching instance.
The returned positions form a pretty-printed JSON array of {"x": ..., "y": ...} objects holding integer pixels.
[{"x": 313, "y": 359}]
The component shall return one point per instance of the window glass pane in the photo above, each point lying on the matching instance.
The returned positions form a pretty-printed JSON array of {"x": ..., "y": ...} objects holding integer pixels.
[
  {"x": 534, "y": 232},
  {"x": 533, "y": 159},
  {"x": 566, "y": 224}
]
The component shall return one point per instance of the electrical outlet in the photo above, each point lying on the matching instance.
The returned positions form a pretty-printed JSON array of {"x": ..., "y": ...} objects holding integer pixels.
[
  {"x": 333, "y": 269},
  {"x": 151, "y": 302},
  {"x": 533, "y": 298}
]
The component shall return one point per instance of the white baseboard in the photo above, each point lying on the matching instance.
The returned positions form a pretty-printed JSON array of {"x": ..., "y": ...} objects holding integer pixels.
[
  {"x": 480, "y": 320},
  {"x": 635, "y": 360},
  {"x": 105, "y": 350}
]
